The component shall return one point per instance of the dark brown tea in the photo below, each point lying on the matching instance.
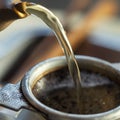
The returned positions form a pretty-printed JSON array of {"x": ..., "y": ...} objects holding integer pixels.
[{"x": 99, "y": 93}]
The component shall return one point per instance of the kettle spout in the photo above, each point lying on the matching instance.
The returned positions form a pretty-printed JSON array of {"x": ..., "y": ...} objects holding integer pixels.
[{"x": 9, "y": 15}]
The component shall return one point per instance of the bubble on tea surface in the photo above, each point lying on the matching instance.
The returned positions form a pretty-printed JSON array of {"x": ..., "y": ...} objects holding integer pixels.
[{"x": 100, "y": 94}]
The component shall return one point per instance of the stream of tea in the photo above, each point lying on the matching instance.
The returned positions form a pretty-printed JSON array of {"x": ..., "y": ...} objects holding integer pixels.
[{"x": 53, "y": 22}]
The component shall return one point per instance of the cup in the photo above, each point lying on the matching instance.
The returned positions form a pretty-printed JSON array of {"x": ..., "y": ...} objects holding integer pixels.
[{"x": 23, "y": 94}]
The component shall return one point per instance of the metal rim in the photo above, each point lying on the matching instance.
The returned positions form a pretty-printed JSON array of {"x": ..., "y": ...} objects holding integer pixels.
[{"x": 32, "y": 76}]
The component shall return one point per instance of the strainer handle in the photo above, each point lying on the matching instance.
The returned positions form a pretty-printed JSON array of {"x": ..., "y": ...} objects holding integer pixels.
[{"x": 11, "y": 97}]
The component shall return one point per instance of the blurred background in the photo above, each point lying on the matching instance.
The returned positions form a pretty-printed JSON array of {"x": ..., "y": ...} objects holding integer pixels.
[{"x": 92, "y": 26}]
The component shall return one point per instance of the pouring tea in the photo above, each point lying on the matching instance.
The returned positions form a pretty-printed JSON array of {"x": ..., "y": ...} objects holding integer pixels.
[{"x": 37, "y": 86}]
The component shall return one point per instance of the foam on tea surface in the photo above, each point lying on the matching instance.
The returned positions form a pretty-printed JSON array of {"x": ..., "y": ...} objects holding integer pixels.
[{"x": 99, "y": 93}]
